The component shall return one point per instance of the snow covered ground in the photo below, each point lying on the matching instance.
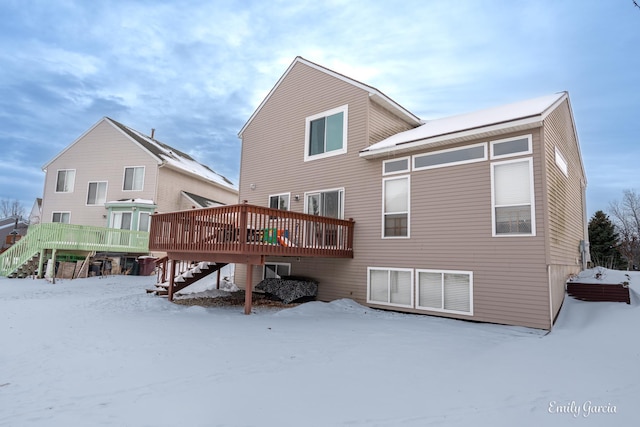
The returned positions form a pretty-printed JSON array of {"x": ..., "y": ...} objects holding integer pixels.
[{"x": 101, "y": 352}]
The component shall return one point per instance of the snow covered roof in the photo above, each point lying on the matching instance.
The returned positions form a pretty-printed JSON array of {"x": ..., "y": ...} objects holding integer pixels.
[
  {"x": 173, "y": 157},
  {"x": 374, "y": 93},
  {"x": 200, "y": 201},
  {"x": 516, "y": 116}
]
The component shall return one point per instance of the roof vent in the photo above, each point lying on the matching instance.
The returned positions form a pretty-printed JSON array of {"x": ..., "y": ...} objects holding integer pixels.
[{"x": 153, "y": 132}]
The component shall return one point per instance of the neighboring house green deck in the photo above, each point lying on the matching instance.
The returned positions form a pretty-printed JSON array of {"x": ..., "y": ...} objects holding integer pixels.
[{"x": 56, "y": 236}]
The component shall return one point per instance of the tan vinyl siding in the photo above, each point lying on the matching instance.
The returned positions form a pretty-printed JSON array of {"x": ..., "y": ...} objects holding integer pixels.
[
  {"x": 566, "y": 214},
  {"x": 93, "y": 162},
  {"x": 275, "y": 162},
  {"x": 566, "y": 226},
  {"x": 171, "y": 182},
  {"x": 383, "y": 123},
  {"x": 450, "y": 207}
]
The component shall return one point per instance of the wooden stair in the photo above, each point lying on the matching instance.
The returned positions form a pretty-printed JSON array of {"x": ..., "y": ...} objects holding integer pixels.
[
  {"x": 26, "y": 269},
  {"x": 196, "y": 272}
]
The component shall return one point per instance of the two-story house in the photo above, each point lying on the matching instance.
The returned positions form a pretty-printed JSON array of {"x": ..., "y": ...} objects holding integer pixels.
[
  {"x": 115, "y": 177},
  {"x": 479, "y": 216}
]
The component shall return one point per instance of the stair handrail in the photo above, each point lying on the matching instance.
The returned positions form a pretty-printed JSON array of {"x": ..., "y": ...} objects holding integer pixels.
[{"x": 71, "y": 237}]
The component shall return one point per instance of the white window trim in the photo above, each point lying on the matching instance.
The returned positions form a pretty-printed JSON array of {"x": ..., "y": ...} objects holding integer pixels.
[
  {"x": 113, "y": 216},
  {"x": 278, "y": 195},
  {"x": 408, "y": 169},
  {"x": 106, "y": 190},
  {"x": 532, "y": 193},
  {"x": 562, "y": 163},
  {"x": 520, "y": 153},
  {"x": 140, "y": 213},
  {"x": 408, "y": 236},
  {"x": 73, "y": 183},
  {"x": 443, "y": 272},
  {"x": 124, "y": 177},
  {"x": 388, "y": 270},
  {"x": 342, "y": 109},
  {"x": 328, "y": 190},
  {"x": 443, "y": 165},
  {"x": 61, "y": 212},
  {"x": 264, "y": 267}
]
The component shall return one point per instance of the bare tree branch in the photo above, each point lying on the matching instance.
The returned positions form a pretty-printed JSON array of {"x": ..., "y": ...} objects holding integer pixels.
[
  {"x": 9, "y": 208},
  {"x": 626, "y": 217}
]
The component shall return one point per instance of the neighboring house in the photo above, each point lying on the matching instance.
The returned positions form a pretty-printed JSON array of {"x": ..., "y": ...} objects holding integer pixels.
[
  {"x": 36, "y": 211},
  {"x": 12, "y": 229},
  {"x": 479, "y": 216},
  {"x": 114, "y": 176}
]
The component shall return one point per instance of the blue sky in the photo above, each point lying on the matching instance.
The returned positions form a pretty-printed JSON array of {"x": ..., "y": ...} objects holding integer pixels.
[{"x": 196, "y": 70}]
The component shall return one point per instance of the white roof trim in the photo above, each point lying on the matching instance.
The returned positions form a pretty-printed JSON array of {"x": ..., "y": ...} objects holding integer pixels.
[{"x": 380, "y": 97}]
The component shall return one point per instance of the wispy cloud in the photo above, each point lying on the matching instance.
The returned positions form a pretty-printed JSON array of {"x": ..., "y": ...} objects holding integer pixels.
[{"x": 196, "y": 70}]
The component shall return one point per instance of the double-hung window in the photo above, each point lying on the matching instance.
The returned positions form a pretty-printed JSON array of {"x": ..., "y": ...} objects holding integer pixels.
[
  {"x": 64, "y": 180},
  {"x": 512, "y": 198},
  {"x": 326, "y": 134},
  {"x": 395, "y": 206},
  {"x": 133, "y": 178},
  {"x": 97, "y": 193}
]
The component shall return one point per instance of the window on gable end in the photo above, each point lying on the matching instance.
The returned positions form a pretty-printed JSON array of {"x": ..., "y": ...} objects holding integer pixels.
[
  {"x": 561, "y": 162},
  {"x": 326, "y": 134},
  {"x": 65, "y": 180},
  {"x": 97, "y": 193},
  {"x": 133, "y": 179}
]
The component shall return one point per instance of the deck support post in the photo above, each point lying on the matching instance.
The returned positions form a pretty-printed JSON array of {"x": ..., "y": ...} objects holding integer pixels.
[
  {"x": 41, "y": 272},
  {"x": 53, "y": 264},
  {"x": 248, "y": 290},
  {"x": 218, "y": 281},
  {"x": 171, "y": 278}
]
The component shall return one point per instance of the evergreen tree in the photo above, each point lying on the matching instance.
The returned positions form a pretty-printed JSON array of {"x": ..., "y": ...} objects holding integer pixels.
[{"x": 603, "y": 241}]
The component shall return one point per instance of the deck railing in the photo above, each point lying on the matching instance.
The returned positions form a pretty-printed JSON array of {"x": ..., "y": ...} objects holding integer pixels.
[
  {"x": 251, "y": 230},
  {"x": 71, "y": 237}
]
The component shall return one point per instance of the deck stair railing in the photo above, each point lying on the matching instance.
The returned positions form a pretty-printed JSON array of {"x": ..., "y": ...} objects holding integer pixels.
[{"x": 70, "y": 237}]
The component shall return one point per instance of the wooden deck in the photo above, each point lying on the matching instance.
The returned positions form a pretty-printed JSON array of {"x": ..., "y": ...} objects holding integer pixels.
[
  {"x": 242, "y": 232},
  {"x": 246, "y": 234}
]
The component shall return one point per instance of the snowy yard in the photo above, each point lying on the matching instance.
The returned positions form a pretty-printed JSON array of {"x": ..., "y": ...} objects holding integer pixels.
[{"x": 101, "y": 352}]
